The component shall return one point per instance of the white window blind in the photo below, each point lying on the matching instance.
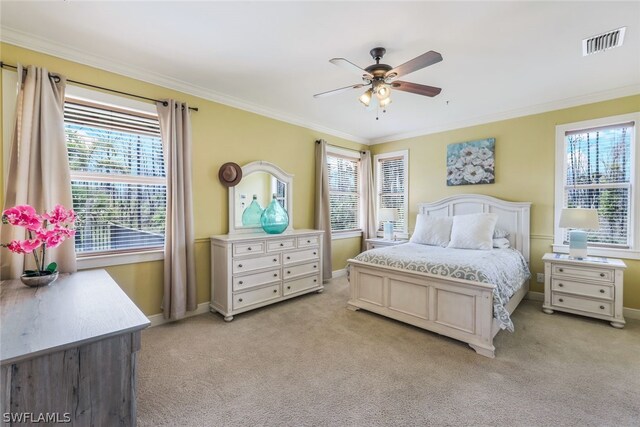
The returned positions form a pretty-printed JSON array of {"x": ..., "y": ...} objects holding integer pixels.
[
  {"x": 118, "y": 178},
  {"x": 344, "y": 192},
  {"x": 392, "y": 188},
  {"x": 598, "y": 175}
]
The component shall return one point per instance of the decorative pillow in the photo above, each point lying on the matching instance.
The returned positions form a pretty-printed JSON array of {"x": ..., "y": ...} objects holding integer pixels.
[
  {"x": 501, "y": 243},
  {"x": 500, "y": 233},
  {"x": 473, "y": 231},
  {"x": 432, "y": 231}
]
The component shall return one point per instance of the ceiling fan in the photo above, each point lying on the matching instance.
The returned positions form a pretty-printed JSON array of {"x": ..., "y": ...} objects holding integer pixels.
[{"x": 382, "y": 77}]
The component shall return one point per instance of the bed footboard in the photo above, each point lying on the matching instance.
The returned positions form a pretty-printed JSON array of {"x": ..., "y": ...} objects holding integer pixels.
[{"x": 458, "y": 308}]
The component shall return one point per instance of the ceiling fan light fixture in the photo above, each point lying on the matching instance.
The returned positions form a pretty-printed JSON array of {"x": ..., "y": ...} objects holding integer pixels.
[
  {"x": 365, "y": 98},
  {"x": 385, "y": 102},
  {"x": 383, "y": 91}
]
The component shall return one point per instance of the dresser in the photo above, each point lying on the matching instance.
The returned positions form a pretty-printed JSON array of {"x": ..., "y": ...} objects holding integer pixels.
[
  {"x": 69, "y": 352},
  {"x": 589, "y": 287},
  {"x": 256, "y": 269},
  {"x": 380, "y": 243}
]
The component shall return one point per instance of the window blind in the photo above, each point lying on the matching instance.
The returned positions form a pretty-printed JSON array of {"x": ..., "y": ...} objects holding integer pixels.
[
  {"x": 392, "y": 189},
  {"x": 598, "y": 173},
  {"x": 118, "y": 179},
  {"x": 344, "y": 193}
]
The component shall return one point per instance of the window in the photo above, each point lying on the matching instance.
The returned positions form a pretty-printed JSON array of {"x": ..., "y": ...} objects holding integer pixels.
[
  {"x": 392, "y": 189},
  {"x": 118, "y": 179},
  {"x": 596, "y": 167},
  {"x": 344, "y": 189}
]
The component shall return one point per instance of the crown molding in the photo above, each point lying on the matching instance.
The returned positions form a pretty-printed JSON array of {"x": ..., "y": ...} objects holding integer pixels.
[
  {"x": 519, "y": 112},
  {"x": 39, "y": 44}
]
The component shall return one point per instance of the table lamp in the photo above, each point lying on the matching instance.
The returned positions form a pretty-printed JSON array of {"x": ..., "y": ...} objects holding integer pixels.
[
  {"x": 387, "y": 216},
  {"x": 578, "y": 219}
]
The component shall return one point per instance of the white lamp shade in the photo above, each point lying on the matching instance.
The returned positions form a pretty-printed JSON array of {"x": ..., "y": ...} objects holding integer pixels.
[
  {"x": 579, "y": 218},
  {"x": 387, "y": 214}
]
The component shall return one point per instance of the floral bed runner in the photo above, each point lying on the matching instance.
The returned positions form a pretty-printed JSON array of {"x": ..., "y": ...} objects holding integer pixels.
[{"x": 505, "y": 268}]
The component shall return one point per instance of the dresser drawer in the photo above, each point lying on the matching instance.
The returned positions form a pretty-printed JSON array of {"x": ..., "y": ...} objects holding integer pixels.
[
  {"x": 278, "y": 245},
  {"x": 597, "y": 291},
  {"x": 591, "y": 273},
  {"x": 308, "y": 241},
  {"x": 257, "y": 279},
  {"x": 299, "y": 285},
  {"x": 299, "y": 256},
  {"x": 300, "y": 270},
  {"x": 582, "y": 304},
  {"x": 250, "y": 264},
  {"x": 255, "y": 297},
  {"x": 248, "y": 248}
]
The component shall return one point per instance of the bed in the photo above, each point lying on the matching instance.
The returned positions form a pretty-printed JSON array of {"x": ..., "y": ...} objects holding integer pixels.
[{"x": 399, "y": 283}]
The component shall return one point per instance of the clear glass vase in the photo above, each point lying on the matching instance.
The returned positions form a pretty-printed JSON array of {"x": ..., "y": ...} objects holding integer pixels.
[
  {"x": 274, "y": 219},
  {"x": 251, "y": 215}
]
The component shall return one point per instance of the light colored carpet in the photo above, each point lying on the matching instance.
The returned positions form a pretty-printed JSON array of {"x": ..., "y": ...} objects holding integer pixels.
[{"x": 310, "y": 361}]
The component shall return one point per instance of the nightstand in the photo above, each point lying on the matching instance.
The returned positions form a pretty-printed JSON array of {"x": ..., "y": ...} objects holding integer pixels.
[
  {"x": 379, "y": 243},
  {"x": 589, "y": 287}
]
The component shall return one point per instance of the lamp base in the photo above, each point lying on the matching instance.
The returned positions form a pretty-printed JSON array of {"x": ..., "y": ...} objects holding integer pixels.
[
  {"x": 577, "y": 244},
  {"x": 387, "y": 230}
]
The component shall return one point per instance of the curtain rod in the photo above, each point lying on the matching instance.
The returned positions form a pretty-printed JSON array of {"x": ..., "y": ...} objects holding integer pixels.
[
  {"x": 342, "y": 148},
  {"x": 53, "y": 76}
]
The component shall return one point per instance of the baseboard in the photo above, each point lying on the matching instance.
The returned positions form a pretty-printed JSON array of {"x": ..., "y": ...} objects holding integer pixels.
[
  {"x": 631, "y": 313},
  {"x": 158, "y": 319},
  {"x": 339, "y": 273}
]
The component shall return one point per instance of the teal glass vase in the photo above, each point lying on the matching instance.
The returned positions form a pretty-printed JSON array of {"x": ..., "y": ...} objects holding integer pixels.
[
  {"x": 251, "y": 215},
  {"x": 274, "y": 219}
]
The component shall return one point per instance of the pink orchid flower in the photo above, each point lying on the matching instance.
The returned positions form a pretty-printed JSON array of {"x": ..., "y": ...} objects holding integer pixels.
[
  {"x": 15, "y": 247},
  {"x": 23, "y": 216},
  {"x": 24, "y": 246},
  {"x": 60, "y": 215}
]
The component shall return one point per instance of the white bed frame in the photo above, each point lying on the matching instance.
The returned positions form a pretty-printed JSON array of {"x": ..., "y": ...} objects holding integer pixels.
[{"x": 458, "y": 308}]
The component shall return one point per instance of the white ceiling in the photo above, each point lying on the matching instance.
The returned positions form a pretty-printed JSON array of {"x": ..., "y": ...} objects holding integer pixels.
[{"x": 501, "y": 59}]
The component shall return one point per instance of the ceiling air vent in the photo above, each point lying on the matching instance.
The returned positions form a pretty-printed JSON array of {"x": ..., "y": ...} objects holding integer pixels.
[{"x": 602, "y": 42}]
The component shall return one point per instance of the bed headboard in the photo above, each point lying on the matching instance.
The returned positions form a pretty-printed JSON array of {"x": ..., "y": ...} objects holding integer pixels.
[{"x": 512, "y": 216}]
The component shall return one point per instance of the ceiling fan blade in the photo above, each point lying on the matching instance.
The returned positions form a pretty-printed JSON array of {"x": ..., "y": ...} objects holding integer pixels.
[
  {"x": 416, "y": 88},
  {"x": 351, "y": 67},
  {"x": 415, "y": 64},
  {"x": 334, "y": 91}
]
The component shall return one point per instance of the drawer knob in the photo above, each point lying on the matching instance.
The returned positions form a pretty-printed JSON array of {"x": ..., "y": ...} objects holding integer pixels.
[
  {"x": 288, "y": 272},
  {"x": 249, "y": 248},
  {"x": 315, "y": 266},
  {"x": 561, "y": 270},
  {"x": 560, "y": 299},
  {"x": 601, "y": 274},
  {"x": 288, "y": 257},
  {"x": 281, "y": 244},
  {"x": 315, "y": 253},
  {"x": 288, "y": 287},
  {"x": 240, "y": 282},
  {"x": 275, "y": 260},
  {"x": 239, "y": 299},
  {"x": 602, "y": 291},
  {"x": 560, "y": 284},
  {"x": 275, "y": 291},
  {"x": 275, "y": 274},
  {"x": 602, "y": 307},
  {"x": 308, "y": 241},
  {"x": 239, "y": 265},
  {"x": 315, "y": 280}
]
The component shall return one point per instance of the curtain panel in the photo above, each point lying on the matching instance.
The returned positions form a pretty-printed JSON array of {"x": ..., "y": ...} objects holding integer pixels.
[
  {"x": 322, "y": 211},
  {"x": 179, "y": 258},
  {"x": 38, "y": 164},
  {"x": 369, "y": 226}
]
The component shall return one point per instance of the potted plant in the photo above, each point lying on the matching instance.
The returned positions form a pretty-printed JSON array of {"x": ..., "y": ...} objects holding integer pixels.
[{"x": 45, "y": 231}]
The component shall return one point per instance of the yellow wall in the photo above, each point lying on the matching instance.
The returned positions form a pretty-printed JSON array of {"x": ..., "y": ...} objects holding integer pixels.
[
  {"x": 525, "y": 168},
  {"x": 220, "y": 134}
]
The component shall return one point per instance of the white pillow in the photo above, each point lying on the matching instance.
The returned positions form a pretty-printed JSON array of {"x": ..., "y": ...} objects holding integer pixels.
[
  {"x": 500, "y": 233},
  {"x": 473, "y": 231},
  {"x": 432, "y": 231},
  {"x": 501, "y": 243}
]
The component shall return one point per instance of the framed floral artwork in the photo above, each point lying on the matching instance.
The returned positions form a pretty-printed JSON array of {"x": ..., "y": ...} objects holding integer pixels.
[{"x": 471, "y": 162}]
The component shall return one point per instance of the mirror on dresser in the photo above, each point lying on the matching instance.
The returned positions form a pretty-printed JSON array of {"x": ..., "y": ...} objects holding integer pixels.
[{"x": 260, "y": 179}]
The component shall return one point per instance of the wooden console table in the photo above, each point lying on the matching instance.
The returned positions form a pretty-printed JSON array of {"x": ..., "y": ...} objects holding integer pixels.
[{"x": 68, "y": 351}]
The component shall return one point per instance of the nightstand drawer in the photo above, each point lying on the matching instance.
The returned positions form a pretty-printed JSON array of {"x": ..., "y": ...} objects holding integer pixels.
[
  {"x": 590, "y": 273},
  {"x": 582, "y": 304},
  {"x": 586, "y": 289}
]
